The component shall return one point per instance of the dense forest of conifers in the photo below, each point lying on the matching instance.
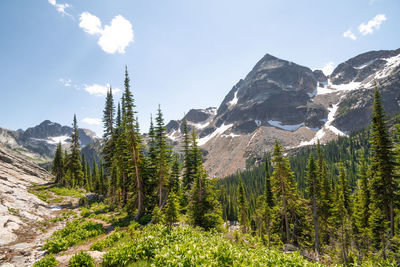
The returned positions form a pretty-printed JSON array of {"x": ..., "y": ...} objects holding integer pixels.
[{"x": 340, "y": 200}]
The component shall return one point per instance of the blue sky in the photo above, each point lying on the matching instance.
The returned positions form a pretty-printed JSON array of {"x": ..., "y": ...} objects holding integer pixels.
[{"x": 57, "y": 56}]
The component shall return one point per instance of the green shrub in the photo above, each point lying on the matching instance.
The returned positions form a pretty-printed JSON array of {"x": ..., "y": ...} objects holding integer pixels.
[
  {"x": 73, "y": 233},
  {"x": 187, "y": 246},
  {"x": 47, "y": 261},
  {"x": 82, "y": 259},
  {"x": 107, "y": 242}
]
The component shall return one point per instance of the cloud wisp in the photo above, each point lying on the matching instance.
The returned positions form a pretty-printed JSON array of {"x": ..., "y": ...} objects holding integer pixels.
[
  {"x": 349, "y": 34},
  {"x": 372, "y": 25},
  {"x": 99, "y": 90},
  {"x": 113, "y": 38},
  {"x": 91, "y": 121},
  {"x": 60, "y": 7}
]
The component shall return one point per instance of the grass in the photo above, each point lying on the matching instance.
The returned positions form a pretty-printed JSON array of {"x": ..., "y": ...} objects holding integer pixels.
[{"x": 43, "y": 192}]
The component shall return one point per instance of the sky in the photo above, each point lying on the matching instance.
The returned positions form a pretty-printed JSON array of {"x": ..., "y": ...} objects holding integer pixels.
[{"x": 58, "y": 56}]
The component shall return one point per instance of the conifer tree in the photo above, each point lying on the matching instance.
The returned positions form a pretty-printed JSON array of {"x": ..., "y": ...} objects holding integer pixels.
[
  {"x": 204, "y": 207},
  {"x": 173, "y": 184},
  {"x": 163, "y": 157},
  {"x": 282, "y": 185},
  {"x": 362, "y": 199},
  {"x": 188, "y": 168},
  {"x": 243, "y": 209},
  {"x": 133, "y": 144},
  {"x": 171, "y": 210},
  {"x": 108, "y": 122},
  {"x": 344, "y": 188},
  {"x": 269, "y": 198},
  {"x": 314, "y": 193},
  {"x": 75, "y": 166},
  {"x": 58, "y": 165},
  {"x": 383, "y": 186}
]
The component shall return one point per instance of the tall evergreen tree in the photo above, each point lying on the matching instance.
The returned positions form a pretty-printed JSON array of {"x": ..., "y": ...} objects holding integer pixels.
[
  {"x": 108, "y": 122},
  {"x": 163, "y": 157},
  {"x": 58, "y": 165},
  {"x": 282, "y": 185},
  {"x": 75, "y": 166},
  {"x": 383, "y": 186},
  {"x": 314, "y": 193},
  {"x": 243, "y": 209}
]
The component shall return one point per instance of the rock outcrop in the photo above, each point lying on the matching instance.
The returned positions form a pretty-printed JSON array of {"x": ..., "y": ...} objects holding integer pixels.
[{"x": 18, "y": 208}]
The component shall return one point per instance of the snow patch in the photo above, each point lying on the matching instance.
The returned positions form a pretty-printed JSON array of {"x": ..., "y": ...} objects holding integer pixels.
[
  {"x": 200, "y": 125},
  {"x": 257, "y": 122},
  {"x": 314, "y": 93},
  {"x": 174, "y": 135},
  {"x": 230, "y": 135},
  {"x": 391, "y": 64},
  {"x": 328, "y": 125},
  {"x": 366, "y": 64},
  {"x": 291, "y": 128},
  {"x": 57, "y": 139},
  {"x": 217, "y": 131},
  {"x": 234, "y": 100}
]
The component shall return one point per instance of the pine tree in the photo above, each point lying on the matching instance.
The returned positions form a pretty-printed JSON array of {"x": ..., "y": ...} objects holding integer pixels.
[
  {"x": 243, "y": 208},
  {"x": 314, "y": 193},
  {"x": 269, "y": 198},
  {"x": 58, "y": 165},
  {"x": 362, "y": 199},
  {"x": 133, "y": 144},
  {"x": 163, "y": 157},
  {"x": 344, "y": 188},
  {"x": 108, "y": 121},
  {"x": 282, "y": 185},
  {"x": 383, "y": 186},
  {"x": 204, "y": 207},
  {"x": 173, "y": 184},
  {"x": 75, "y": 166},
  {"x": 171, "y": 210}
]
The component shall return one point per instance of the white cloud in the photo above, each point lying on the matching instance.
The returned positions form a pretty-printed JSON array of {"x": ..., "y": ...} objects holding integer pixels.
[
  {"x": 60, "y": 7},
  {"x": 349, "y": 34},
  {"x": 90, "y": 23},
  {"x": 328, "y": 68},
  {"x": 92, "y": 121},
  {"x": 114, "y": 37},
  {"x": 117, "y": 36},
  {"x": 99, "y": 90},
  {"x": 66, "y": 82},
  {"x": 373, "y": 24}
]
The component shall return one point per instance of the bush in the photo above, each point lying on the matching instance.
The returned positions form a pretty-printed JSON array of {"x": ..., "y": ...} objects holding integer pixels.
[
  {"x": 47, "y": 261},
  {"x": 107, "y": 242},
  {"x": 82, "y": 259},
  {"x": 187, "y": 246},
  {"x": 73, "y": 233}
]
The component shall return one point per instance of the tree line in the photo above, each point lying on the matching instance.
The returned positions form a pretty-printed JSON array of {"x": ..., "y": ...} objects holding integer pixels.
[
  {"x": 343, "y": 199},
  {"x": 139, "y": 172}
]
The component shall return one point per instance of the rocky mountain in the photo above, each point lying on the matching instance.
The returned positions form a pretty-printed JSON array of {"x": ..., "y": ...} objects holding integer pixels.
[
  {"x": 39, "y": 142},
  {"x": 282, "y": 100}
]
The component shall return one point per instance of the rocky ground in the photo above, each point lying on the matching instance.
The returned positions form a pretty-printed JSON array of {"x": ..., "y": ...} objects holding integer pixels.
[{"x": 23, "y": 216}]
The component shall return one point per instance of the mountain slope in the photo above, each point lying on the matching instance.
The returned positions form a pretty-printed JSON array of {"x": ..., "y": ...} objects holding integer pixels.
[
  {"x": 39, "y": 142},
  {"x": 281, "y": 100}
]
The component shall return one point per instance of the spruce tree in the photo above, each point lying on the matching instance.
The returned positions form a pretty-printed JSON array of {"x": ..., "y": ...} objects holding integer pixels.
[
  {"x": 171, "y": 210},
  {"x": 163, "y": 157},
  {"x": 243, "y": 209},
  {"x": 282, "y": 186},
  {"x": 314, "y": 194},
  {"x": 75, "y": 166},
  {"x": 383, "y": 186},
  {"x": 108, "y": 122},
  {"x": 58, "y": 165}
]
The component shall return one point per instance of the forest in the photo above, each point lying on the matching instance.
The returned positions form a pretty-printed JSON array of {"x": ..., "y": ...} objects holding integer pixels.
[{"x": 339, "y": 201}]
